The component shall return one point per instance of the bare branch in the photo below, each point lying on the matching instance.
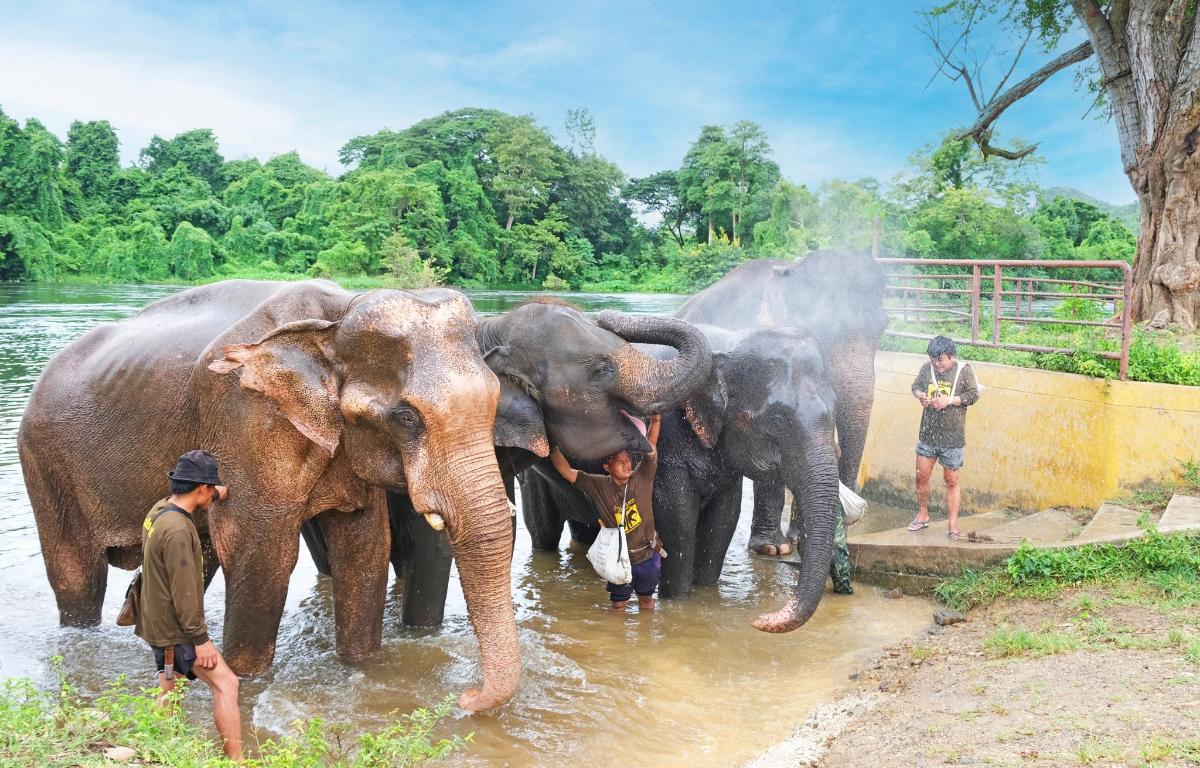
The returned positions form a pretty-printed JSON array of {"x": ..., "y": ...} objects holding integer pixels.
[
  {"x": 934, "y": 35},
  {"x": 996, "y": 106},
  {"x": 1008, "y": 74},
  {"x": 987, "y": 150}
]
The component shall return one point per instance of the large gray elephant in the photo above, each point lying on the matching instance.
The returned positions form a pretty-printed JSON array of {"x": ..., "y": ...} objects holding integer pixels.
[
  {"x": 582, "y": 382},
  {"x": 765, "y": 412},
  {"x": 313, "y": 399},
  {"x": 837, "y": 295}
]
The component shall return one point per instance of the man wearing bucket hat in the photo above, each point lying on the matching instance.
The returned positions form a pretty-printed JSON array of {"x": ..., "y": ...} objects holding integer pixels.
[{"x": 170, "y": 613}]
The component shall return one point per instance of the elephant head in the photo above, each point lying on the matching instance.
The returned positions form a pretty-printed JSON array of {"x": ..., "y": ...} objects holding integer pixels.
[
  {"x": 589, "y": 381},
  {"x": 838, "y": 296},
  {"x": 397, "y": 386},
  {"x": 769, "y": 409}
]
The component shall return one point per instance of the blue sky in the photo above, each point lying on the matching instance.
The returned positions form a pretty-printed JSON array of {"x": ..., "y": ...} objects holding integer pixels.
[{"x": 839, "y": 87}]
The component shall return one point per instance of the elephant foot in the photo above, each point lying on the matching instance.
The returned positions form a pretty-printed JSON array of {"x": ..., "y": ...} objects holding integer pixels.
[{"x": 771, "y": 546}]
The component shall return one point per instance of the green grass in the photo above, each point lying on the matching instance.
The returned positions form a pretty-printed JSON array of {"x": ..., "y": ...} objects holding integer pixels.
[
  {"x": 58, "y": 727},
  {"x": 1169, "y": 565},
  {"x": 1006, "y": 641}
]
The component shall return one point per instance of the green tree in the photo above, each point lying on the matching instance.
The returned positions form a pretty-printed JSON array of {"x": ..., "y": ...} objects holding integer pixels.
[
  {"x": 659, "y": 194},
  {"x": 537, "y": 245},
  {"x": 191, "y": 252},
  {"x": 196, "y": 150},
  {"x": 93, "y": 162},
  {"x": 526, "y": 166}
]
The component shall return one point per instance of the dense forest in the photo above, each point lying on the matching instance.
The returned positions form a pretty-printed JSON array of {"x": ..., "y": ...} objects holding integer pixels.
[{"x": 480, "y": 198}]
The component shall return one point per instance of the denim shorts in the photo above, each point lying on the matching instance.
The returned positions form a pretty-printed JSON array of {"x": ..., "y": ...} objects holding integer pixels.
[
  {"x": 645, "y": 580},
  {"x": 950, "y": 458}
]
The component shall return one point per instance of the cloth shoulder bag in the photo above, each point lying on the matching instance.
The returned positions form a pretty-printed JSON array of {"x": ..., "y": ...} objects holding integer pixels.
[{"x": 609, "y": 553}]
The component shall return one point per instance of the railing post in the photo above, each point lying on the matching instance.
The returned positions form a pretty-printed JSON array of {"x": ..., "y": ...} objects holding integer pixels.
[
  {"x": 996, "y": 270},
  {"x": 1126, "y": 322},
  {"x": 975, "y": 303}
]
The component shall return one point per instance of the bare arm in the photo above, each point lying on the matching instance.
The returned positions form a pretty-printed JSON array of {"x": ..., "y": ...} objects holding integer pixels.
[
  {"x": 563, "y": 466},
  {"x": 652, "y": 433}
]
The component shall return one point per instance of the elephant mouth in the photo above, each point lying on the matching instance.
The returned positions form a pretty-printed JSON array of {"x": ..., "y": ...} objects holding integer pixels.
[{"x": 638, "y": 422}]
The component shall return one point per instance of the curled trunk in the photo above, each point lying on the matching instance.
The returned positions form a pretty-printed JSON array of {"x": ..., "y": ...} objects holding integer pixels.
[
  {"x": 817, "y": 488},
  {"x": 650, "y": 385}
]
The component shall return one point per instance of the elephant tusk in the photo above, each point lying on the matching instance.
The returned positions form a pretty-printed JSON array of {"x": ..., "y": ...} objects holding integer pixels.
[{"x": 435, "y": 521}]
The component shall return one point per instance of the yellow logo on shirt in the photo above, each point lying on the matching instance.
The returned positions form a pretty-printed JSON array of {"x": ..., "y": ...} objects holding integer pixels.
[
  {"x": 631, "y": 517},
  {"x": 937, "y": 388}
]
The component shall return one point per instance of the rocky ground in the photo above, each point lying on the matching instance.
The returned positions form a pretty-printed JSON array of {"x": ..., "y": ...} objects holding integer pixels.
[{"x": 1093, "y": 677}]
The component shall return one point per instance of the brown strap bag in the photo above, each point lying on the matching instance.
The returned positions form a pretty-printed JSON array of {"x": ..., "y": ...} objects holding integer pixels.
[{"x": 129, "y": 609}]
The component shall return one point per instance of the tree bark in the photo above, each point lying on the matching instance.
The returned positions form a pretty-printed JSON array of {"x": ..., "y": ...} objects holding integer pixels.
[
  {"x": 508, "y": 226},
  {"x": 1149, "y": 55},
  {"x": 710, "y": 230}
]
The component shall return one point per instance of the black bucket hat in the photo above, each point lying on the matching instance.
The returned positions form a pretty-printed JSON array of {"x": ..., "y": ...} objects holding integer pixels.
[{"x": 196, "y": 467}]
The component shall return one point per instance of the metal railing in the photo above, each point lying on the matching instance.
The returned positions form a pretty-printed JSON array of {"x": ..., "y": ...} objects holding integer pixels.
[{"x": 916, "y": 297}]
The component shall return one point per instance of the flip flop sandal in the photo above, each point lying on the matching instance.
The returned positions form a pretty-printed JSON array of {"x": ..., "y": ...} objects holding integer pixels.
[
  {"x": 917, "y": 525},
  {"x": 955, "y": 536}
]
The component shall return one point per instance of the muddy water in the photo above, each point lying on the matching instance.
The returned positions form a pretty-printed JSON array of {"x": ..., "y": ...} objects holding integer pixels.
[{"x": 690, "y": 684}]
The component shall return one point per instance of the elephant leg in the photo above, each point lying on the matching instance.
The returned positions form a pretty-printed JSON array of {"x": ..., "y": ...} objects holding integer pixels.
[
  {"x": 717, "y": 523},
  {"x": 424, "y": 568},
  {"x": 675, "y": 513},
  {"x": 314, "y": 540},
  {"x": 258, "y": 562},
  {"x": 766, "y": 536},
  {"x": 584, "y": 533},
  {"x": 76, "y": 565},
  {"x": 358, "y": 558},
  {"x": 839, "y": 566},
  {"x": 212, "y": 563},
  {"x": 542, "y": 518}
]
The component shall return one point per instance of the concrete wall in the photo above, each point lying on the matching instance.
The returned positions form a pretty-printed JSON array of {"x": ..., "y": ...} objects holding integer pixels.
[{"x": 1035, "y": 439}]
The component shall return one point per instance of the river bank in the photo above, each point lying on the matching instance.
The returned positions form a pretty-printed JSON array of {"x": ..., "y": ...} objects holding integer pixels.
[{"x": 1106, "y": 673}]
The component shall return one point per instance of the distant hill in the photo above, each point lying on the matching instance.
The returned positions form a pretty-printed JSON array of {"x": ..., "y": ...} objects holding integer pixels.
[{"x": 1126, "y": 214}]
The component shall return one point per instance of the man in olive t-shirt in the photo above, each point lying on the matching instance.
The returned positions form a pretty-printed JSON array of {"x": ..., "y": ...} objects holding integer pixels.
[
  {"x": 945, "y": 388},
  {"x": 170, "y": 613},
  {"x": 624, "y": 497}
]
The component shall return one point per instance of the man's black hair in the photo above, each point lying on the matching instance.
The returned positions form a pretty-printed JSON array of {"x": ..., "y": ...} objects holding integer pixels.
[
  {"x": 180, "y": 487},
  {"x": 940, "y": 345}
]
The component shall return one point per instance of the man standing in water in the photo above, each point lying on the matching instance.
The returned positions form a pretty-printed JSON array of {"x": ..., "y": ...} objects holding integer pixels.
[
  {"x": 171, "y": 610},
  {"x": 624, "y": 496},
  {"x": 945, "y": 388}
]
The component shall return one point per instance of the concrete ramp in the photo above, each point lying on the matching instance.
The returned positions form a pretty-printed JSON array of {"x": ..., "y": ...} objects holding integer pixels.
[{"x": 917, "y": 560}]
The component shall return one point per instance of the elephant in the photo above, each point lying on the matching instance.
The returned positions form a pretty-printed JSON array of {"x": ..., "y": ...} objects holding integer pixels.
[
  {"x": 837, "y": 295},
  {"x": 565, "y": 380},
  {"x": 765, "y": 412},
  {"x": 313, "y": 399}
]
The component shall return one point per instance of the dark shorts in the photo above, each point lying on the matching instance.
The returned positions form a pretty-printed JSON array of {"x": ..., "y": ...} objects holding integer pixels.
[
  {"x": 185, "y": 657},
  {"x": 950, "y": 458},
  {"x": 645, "y": 580}
]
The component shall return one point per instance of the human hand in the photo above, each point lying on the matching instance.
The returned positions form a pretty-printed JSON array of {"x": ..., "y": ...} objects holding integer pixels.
[
  {"x": 923, "y": 400},
  {"x": 942, "y": 402},
  {"x": 655, "y": 419},
  {"x": 207, "y": 655},
  {"x": 222, "y": 492}
]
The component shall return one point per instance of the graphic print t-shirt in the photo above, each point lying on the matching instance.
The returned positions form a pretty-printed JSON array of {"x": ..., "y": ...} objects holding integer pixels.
[
  {"x": 638, "y": 514},
  {"x": 946, "y": 428}
]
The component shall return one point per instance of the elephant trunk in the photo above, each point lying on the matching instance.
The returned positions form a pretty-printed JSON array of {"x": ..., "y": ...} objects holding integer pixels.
[
  {"x": 852, "y": 377},
  {"x": 816, "y": 485},
  {"x": 650, "y": 385},
  {"x": 480, "y": 532}
]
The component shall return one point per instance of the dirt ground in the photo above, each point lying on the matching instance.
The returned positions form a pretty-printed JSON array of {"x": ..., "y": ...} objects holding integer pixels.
[{"x": 1091, "y": 678}]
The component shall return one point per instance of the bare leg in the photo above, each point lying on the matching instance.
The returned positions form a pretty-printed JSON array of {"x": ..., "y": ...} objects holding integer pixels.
[
  {"x": 924, "y": 470},
  {"x": 646, "y": 603},
  {"x": 166, "y": 686},
  {"x": 618, "y": 606},
  {"x": 953, "y": 496},
  {"x": 226, "y": 715}
]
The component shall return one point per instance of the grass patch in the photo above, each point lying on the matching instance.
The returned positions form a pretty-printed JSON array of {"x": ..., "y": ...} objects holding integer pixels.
[
  {"x": 58, "y": 727},
  {"x": 1169, "y": 565},
  {"x": 1006, "y": 642}
]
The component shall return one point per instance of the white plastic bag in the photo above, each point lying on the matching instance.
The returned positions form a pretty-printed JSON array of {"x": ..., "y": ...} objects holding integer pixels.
[
  {"x": 853, "y": 505},
  {"x": 609, "y": 555}
]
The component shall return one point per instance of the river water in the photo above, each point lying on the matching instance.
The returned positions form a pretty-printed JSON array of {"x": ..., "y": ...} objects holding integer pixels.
[{"x": 691, "y": 684}]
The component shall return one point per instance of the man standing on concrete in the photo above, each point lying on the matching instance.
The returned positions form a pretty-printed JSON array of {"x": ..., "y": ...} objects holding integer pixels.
[
  {"x": 171, "y": 610},
  {"x": 945, "y": 388}
]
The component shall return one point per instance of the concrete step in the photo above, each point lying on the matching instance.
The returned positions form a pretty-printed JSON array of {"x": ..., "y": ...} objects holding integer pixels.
[
  {"x": 1111, "y": 523},
  {"x": 1049, "y": 526},
  {"x": 901, "y": 536},
  {"x": 1183, "y": 514}
]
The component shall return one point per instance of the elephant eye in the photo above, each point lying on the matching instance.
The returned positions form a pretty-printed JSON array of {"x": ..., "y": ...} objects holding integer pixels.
[
  {"x": 406, "y": 417},
  {"x": 604, "y": 370}
]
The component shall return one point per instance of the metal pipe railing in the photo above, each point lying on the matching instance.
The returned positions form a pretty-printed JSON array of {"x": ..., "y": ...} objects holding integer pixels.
[{"x": 1022, "y": 292}]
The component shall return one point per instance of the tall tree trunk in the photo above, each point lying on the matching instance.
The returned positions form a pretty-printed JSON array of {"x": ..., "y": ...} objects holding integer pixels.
[
  {"x": 1149, "y": 55},
  {"x": 734, "y": 217},
  {"x": 710, "y": 230},
  {"x": 508, "y": 226}
]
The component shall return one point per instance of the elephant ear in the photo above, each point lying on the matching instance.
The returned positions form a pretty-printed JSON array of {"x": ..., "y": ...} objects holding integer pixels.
[
  {"x": 519, "y": 421},
  {"x": 294, "y": 366},
  {"x": 705, "y": 408},
  {"x": 499, "y": 359}
]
